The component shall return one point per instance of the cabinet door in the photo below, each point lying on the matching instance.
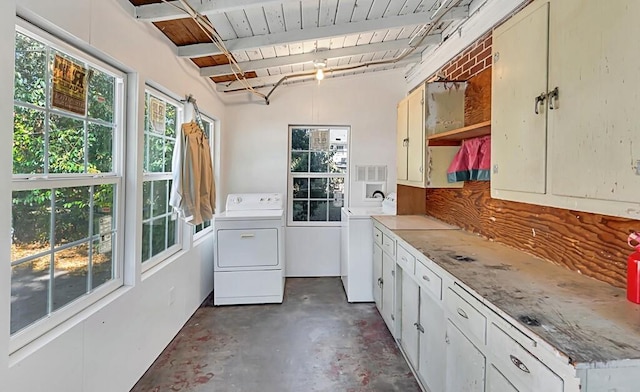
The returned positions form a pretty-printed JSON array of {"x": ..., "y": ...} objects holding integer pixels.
[
  {"x": 401, "y": 139},
  {"x": 377, "y": 276},
  {"x": 409, "y": 323},
  {"x": 432, "y": 343},
  {"x": 518, "y": 133},
  {"x": 496, "y": 382},
  {"x": 388, "y": 289},
  {"x": 417, "y": 141},
  {"x": 592, "y": 149},
  {"x": 465, "y": 363}
]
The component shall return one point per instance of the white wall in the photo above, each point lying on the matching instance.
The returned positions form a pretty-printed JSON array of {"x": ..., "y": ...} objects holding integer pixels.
[
  {"x": 108, "y": 347},
  {"x": 255, "y": 148}
]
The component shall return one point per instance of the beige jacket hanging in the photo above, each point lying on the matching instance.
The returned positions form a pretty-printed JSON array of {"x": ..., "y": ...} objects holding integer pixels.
[{"x": 193, "y": 188}]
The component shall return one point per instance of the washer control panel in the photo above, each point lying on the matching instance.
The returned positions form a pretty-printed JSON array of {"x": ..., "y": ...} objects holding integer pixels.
[{"x": 254, "y": 201}]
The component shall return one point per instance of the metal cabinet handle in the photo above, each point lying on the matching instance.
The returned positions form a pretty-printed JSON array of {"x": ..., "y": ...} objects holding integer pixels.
[
  {"x": 393, "y": 273},
  {"x": 425, "y": 277},
  {"x": 380, "y": 282},
  {"x": 539, "y": 100},
  {"x": 405, "y": 142},
  {"x": 552, "y": 96},
  {"x": 404, "y": 259},
  {"x": 462, "y": 313},
  {"x": 419, "y": 327},
  {"x": 446, "y": 339},
  {"x": 393, "y": 317},
  {"x": 247, "y": 235},
  {"x": 518, "y": 363}
]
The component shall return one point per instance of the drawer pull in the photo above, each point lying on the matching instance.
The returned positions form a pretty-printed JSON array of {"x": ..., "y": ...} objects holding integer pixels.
[
  {"x": 419, "y": 327},
  {"x": 462, "y": 313},
  {"x": 380, "y": 282},
  {"x": 404, "y": 259},
  {"x": 425, "y": 277},
  {"x": 519, "y": 364},
  {"x": 247, "y": 235}
]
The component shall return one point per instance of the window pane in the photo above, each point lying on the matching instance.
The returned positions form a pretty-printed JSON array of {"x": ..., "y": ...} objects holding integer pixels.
[
  {"x": 71, "y": 214},
  {"x": 100, "y": 140},
  {"x": 28, "y": 141},
  {"x": 71, "y": 269},
  {"x": 318, "y": 188},
  {"x": 171, "y": 231},
  {"x": 168, "y": 154},
  {"x": 31, "y": 222},
  {"x": 159, "y": 198},
  {"x": 299, "y": 139},
  {"x": 158, "y": 235},
  {"x": 320, "y": 162},
  {"x": 318, "y": 211},
  {"x": 30, "y": 70},
  {"x": 334, "y": 212},
  {"x": 336, "y": 185},
  {"x": 29, "y": 292},
  {"x": 146, "y": 241},
  {"x": 300, "y": 188},
  {"x": 156, "y": 154},
  {"x": 300, "y": 211},
  {"x": 103, "y": 208},
  {"x": 66, "y": 145},
  {"x": 171, "y": 121},
  {"x": 101, "y": 96},
  {"x": 299, "y": 161},
  {"x": 102, "y": 260}
]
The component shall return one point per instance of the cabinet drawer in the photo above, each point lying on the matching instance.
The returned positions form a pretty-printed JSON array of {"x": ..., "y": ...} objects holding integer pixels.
[
  {"x": 522, "y": 369},
  {"x": 429, "y": 280},
  {"x": 466, "y": 316},
  {"x": 405, "y": 259},
  {"x": 377, "y": 236},
  {"x": 389, "y": 245}
]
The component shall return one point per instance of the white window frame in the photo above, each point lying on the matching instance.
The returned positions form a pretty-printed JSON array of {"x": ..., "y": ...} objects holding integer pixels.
[
  {"x": 30, "y": 182},
  {"x": 158, "y": 176},
  {"x": 291, "y": 175},
  {"x": 212, "y": 132}
]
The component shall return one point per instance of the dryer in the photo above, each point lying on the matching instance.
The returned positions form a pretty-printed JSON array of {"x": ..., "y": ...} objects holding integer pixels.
[{"x": 249, "y": 250}]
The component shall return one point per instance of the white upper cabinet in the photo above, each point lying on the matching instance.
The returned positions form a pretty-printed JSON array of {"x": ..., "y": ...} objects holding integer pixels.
[{"x": 565, "y": 107}]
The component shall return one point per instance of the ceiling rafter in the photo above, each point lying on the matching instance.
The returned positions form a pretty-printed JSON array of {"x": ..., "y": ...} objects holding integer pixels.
[
  {"x": 171, "y": 10},
  {"x": 316, "y": 33},
  {"x": 270, "y": 81},
  {"x": 310, "y": 57}
]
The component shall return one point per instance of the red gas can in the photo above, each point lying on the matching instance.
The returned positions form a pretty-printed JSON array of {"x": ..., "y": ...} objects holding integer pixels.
[{"x": 633, "y": 270}]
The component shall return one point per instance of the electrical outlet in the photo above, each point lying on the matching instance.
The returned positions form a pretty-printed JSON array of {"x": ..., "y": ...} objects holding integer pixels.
[{"x": 172, "y": 296}]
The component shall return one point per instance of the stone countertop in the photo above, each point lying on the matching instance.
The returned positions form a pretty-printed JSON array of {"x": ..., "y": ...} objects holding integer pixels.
[{"x": 589, "y": 321}]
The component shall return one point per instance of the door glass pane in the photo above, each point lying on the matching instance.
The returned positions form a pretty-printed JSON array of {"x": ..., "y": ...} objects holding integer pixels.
[
  {"x": 100, "y": 144},
  {"x": 299, "y": 161},
  {"x": 71, "y": 269},
  {"x": 29, "y": 292},
  {"x": 300, "y": 188},
  {"x": 28, "y": 141},
  {"x": 299, "y": 139},
  {"x": 66, "y": 145},
  {"x": 300, "y": 211},
  {"x": 30, "y": 70},
  {"x": 318, "y": 188},
  {"x": 318, "y": 211},
  {"x": 31, "y": 223},
  {"x": 71, "y": 214}
]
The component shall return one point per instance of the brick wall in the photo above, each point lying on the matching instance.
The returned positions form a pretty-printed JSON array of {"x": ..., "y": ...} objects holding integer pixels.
[{"x": 473, "y": 60}]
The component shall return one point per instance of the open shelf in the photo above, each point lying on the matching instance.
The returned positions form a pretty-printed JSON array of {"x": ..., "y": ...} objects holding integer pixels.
[{"x": 455, "y": 136}]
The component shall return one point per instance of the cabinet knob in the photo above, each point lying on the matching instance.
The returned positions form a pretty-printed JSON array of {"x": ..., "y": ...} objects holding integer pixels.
[
  {"x": 518, "y": 363},
  {"x": 425, "y": 277}
]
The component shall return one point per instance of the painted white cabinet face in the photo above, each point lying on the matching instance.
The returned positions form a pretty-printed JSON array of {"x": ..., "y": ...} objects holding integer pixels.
[
  {"x": 465, "y": 367},
  {"x": 377, "y": 275},
  {"x": 388, "y": 288},
  {"x": 518, "y": 117},
  {"x": 401, "y": 140},
  {"x": 410, "y": 318},
  {"x": 432, "y": 343},
  {"x": 496, "y": 382}
]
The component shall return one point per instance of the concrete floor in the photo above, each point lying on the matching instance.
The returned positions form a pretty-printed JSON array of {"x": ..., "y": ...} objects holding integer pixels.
[{"x": 313, "y": 341}]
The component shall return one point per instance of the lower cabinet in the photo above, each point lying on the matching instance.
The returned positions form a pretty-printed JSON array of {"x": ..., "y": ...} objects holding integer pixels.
[
  {"x": 496, "y": 382},
  {"x": 431, "y": 368},
  {"x": 377, "y": 276},
  {"x": 384, "y": 276},
  {"x": 464, "y": 362},
  {"x": 410, "y": 323},
  {"x": 388, "y": 291}
]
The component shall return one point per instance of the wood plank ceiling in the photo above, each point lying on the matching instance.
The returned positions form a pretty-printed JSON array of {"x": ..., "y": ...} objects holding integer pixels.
[{"x": 271, "y": 39}]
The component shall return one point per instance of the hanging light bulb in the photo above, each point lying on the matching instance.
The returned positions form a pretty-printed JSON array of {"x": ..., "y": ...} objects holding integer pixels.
[
  {"x": 319, "y": 66},
  {"x": 319, "y": 74}
]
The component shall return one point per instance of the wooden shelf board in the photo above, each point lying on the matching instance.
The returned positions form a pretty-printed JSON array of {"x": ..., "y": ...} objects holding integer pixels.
[{"x": 456, "y": 135}]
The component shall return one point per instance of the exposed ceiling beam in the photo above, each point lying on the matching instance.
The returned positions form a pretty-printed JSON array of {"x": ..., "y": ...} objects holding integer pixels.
[
  {"x": 325, "y": 32},
  {"x": 310, "y": 57},
  {"x": 269, "y": 81},
  {"x": 173, "y": 9}
]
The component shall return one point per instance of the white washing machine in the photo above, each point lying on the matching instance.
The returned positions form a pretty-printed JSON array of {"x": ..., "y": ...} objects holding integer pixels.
[
  {"x": 249, "y": 250},
  {"x": 356, "y": 248}
]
